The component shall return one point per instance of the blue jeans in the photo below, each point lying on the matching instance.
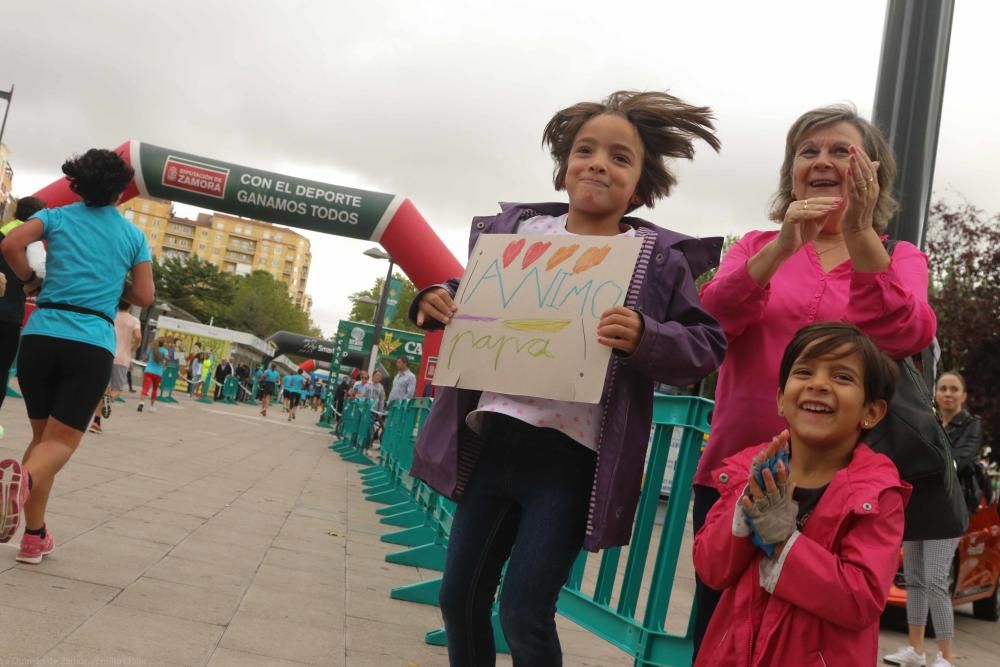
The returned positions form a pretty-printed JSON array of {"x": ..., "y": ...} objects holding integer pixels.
[{"x": 527, "y": 499}]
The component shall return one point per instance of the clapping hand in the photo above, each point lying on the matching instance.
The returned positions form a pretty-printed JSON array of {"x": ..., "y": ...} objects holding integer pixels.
[
  {"x": 860, "y": 189},
  {"x": 804, "y": 219},
  {"x": 771, "y": 509}
]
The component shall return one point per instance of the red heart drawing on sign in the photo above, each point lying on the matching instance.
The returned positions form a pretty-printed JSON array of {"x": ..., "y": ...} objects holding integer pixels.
[
  {"x": 511, "y": 252},
  {"x": 535, "y": 250}
]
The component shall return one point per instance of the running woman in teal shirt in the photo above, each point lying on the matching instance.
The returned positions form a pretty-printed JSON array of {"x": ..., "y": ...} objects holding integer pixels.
[{"x": 68, "y": 344}]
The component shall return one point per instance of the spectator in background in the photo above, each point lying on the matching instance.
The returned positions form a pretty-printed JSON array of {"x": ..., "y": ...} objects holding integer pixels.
[
  {"x": 927, "y": 563},
  {"x": 206, "y": 374},
  {"x": 243, "y": 374},
  {"x": 358, "y": 391},
  {"x": 224, "y": 370},
  {"x": 404, "y": 385},
  {"x": 339, "y": 395},
  {"x": 375, "y": 391},
  {"x": 12, "y": 299},
  {"x": 194, "y": 372}
]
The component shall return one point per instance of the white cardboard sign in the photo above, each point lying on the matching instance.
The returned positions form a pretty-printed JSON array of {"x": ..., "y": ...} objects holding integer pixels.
[{"x": 528, "y": 308}]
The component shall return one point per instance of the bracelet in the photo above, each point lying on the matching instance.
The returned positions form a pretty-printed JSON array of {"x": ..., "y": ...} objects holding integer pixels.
[{"x": 30, "y": 278}]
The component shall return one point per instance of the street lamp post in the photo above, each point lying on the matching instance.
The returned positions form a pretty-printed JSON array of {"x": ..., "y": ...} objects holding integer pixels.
[{"x": 377, "y": 253}]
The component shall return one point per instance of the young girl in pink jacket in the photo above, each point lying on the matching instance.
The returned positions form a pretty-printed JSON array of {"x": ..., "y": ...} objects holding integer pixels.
[{"x": 805, "y": 539}]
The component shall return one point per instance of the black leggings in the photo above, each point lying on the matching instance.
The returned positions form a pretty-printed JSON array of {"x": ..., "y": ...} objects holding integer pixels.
[
  {"x": 705, "y": 599},
  {"x": 10, "y": 336},
  {"x": 61, "y": 378}
]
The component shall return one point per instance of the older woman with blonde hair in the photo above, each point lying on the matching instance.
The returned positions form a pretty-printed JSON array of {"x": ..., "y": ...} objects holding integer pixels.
[{"x": 827, "y": 261}]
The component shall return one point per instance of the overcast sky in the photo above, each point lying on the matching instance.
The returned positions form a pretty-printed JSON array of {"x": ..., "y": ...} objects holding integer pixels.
[{"x": 444, "y": 102}]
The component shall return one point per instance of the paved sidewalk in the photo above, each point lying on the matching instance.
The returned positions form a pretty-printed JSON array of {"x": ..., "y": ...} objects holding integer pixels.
[{"x": 208, "y": 535}]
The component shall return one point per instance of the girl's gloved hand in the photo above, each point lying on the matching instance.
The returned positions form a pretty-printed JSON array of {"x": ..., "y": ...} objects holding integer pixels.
[{"x": 768, "y": 505}]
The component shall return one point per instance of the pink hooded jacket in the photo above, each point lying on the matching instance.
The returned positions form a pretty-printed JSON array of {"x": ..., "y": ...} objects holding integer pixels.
[{"x": 830, "y": 584}]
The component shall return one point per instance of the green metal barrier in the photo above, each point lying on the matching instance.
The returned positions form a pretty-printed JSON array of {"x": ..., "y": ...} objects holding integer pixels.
[
  {"x": 615, "y": 608},
  {"x": 644, "y": 637},
  {"x": 251, "y": 398},
  {"x": 168, "y": 381},
  {"x": 327, "y": 415},
  {"x": 356, "y": 434},
  {"x": 230, "y": 386}
]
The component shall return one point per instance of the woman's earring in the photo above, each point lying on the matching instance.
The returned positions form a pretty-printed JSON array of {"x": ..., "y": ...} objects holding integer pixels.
[{"x": 866, "y": 423}]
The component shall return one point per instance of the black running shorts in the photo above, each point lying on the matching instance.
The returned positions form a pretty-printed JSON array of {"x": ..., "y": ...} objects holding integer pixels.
[{"x": 61, "y": 378}]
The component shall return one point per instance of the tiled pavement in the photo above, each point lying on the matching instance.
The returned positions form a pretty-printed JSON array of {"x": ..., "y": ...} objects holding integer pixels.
[{"x": 208, "y": 535}]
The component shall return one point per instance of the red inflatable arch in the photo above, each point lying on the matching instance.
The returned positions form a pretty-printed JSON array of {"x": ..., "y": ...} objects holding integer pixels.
[{"x": 390, "y": 220}]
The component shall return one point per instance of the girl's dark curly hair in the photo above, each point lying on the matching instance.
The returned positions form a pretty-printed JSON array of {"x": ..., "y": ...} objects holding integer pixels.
[
  {"x": 99, "y": 176},
  {"x": 667, "y": 125}
]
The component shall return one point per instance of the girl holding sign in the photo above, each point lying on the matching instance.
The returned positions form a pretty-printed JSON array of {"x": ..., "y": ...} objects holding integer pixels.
[{"x": 535, "y": 480}]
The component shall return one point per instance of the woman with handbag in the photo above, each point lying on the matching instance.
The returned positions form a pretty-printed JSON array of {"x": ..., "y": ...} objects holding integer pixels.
[
  {"x": 827, "y": 262},
  {"x": 927, "y": 563}
]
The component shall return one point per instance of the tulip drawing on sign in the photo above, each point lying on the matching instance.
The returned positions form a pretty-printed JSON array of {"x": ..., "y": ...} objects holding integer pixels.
[
  {"x": 590, "y": 258},
  {"x": 535, "y": 250},
  {"x": 511, "y": 252},
  {"x": 560, "y": 256}
]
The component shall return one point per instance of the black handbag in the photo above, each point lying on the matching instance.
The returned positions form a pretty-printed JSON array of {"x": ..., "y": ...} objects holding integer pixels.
[{"x": 911, "y": 435}]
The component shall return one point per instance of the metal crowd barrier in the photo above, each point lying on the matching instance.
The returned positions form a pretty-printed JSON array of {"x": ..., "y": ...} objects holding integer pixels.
[{"x": 615, "y": 606}]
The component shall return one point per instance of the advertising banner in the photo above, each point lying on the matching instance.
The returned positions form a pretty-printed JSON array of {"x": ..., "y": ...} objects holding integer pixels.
[{"x": 258, "y": 194}]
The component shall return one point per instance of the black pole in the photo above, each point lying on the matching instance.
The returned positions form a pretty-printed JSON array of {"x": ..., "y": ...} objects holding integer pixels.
[
  {"x": 379, "y": 314},
  {"x": 908, "y": 100},
  {"x": 7, "y": 95}
]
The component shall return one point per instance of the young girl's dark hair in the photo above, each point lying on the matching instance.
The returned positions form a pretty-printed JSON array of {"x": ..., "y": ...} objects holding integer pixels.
[
  {"x": 829, "y": 337},
  {"x": 666, "y": 125},
  {"x": 99, "y": 176}
]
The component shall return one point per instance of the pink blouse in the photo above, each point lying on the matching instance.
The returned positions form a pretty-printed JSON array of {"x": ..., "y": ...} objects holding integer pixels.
[{"x": 890, "y": 306}]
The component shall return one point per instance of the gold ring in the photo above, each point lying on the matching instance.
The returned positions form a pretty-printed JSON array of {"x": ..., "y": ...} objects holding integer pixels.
[
  {"x": 805, "y": 207},
  {"x": 871, "y": 178}
]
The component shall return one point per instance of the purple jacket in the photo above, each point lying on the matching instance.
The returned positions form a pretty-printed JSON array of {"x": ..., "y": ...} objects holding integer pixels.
[{"x": 681, "y": 344}]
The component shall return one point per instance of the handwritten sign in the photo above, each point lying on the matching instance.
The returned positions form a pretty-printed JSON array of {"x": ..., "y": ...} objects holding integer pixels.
[{"x": 528, "y": 308}]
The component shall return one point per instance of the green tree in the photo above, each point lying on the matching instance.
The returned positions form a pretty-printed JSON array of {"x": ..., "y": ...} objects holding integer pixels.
[
  {"x": 197, "y": 286},
  {"x": 365, "y": 312},
  {"x": 261, "y": 306},
  {"x": 708, "y": 275}
]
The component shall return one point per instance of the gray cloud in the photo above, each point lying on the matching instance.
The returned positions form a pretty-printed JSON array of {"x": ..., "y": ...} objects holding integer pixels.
[{"x": 445, "y": 102}]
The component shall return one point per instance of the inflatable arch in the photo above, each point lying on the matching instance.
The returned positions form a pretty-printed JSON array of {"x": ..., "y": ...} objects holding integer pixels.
[{"x": 390, "y": 220}]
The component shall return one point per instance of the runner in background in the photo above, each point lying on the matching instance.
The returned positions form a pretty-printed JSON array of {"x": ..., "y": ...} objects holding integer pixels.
[
  {"x": 294, "y": 390},
  {"x": 269, "y": 380},
  {"x": 156, "y": 359},
  {"x": 128, "y": 335}
]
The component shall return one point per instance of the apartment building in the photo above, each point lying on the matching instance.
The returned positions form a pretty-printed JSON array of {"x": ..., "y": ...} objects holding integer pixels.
[{"x": 237, "y": 245}]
